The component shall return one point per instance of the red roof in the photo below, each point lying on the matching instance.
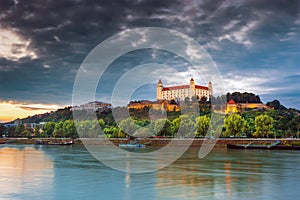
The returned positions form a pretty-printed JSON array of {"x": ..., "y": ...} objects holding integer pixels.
[
  {"x": 201, "y": 87},
  {"x": 176, "y": 87},
  {"x": 184, "y": 87},
  {"x": 231, "y": 102}
]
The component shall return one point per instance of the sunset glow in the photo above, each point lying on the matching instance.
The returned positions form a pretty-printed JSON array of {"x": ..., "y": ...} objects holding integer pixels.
[{"x": 10, "y": 110}]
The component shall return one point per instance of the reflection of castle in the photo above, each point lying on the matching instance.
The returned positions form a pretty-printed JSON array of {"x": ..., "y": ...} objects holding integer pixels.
[{"x": 183, "y": 91}]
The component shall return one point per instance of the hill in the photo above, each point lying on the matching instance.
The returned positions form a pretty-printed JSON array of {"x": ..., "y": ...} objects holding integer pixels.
[{"x": 53, "y": 116}]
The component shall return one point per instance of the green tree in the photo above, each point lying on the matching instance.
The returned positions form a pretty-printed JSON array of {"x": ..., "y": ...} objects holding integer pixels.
[
  {"x": 2, "y": 130},
  {"x": 128, "y": 126},
  {"x": 142, "y": 123},
  {"x": 11, "y": 131},
  {"x": 36, "y": 131},
  {"x": 263, "y": 126},
  {"x": 113, "y": 132},
  {"x": 94, "y": 129},
  {"x": 250, "y": 127},
  {"x": 234, "y": 125},
  {"x": 19, "y": 130},
  {"x": 276, "y": 105},
  {"x": 48, "y": 128},
  {"x": 101, "y": 123},
  {"x": 163, "y": 127},
  {"x": 118, "y": 133},
  {"x": 27, "y": 133},
  {"x": 69, "y": 129},
  {"x": 108, "y": 130},
  {"x": 142, "y": 132},
  {"x": 203, "y": 123},
  {"x": 83, "y": 128},
  {"x": 58, "y": 130},
  {"x": 184, "y": 126}
]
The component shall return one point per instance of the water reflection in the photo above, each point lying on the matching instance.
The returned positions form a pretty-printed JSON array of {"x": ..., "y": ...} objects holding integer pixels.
[
  {"x": 24, "y": 172},
  {"x": 220, "y": 175},
  {"x": 227, "y": 168},
  {"x": 29, "y": 173}
]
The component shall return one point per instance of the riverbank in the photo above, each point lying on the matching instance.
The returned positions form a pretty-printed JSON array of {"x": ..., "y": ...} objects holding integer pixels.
[{"x": 159, "y": 142}]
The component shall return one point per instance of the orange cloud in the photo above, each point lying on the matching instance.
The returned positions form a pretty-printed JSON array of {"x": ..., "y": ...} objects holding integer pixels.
[{"x": 10, "y": 110}]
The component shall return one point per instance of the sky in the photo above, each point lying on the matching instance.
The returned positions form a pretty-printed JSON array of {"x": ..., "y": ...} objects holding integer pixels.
[{"x": 255, "y": 45}]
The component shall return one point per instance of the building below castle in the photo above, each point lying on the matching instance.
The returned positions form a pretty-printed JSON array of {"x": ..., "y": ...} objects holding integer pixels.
[
  {"x": 156, "y": 105},
  {"x": 181, "y": 92},
  {"x": 233, "y": 107}
]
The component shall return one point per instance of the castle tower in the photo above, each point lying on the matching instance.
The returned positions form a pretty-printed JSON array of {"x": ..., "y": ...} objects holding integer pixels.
[
  {"x": 159, "y": 88},
  {"x": 210, "y": 90},
  {"x": 192, "y": 83},
  {"x": 192, "y": 88}
]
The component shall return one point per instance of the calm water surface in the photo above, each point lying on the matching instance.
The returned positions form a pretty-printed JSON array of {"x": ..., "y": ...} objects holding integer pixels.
[{"x": 70, "y": 172}]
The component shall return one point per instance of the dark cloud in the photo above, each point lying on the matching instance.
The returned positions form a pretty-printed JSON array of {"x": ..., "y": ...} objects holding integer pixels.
[{"x": 241, "y": 36}]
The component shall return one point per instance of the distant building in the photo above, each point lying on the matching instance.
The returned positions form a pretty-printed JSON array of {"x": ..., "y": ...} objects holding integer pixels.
[
  {"x": 93, "y": 106},
  {"x": 233, "y": 107},
  {"x": 31, "y": 125},
  {"x": 18, "y": 122},
  {"x": 10, "y": 125},
  {"x": 41, "y": 124},
  {"x": 181, "y": 92},
  {"x": 156, "y": 105},
  {"x": 14, "y": 123}
]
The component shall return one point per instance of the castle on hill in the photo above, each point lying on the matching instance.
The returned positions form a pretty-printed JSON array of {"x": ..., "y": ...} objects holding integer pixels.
[
  {"x": 183, "y": 91},
  {"x": 167, "y": 98}
]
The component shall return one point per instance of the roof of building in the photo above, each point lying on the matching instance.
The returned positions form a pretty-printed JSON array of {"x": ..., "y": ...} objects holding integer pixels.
[
  {"x": 231, "y": 102},
  {"x": 201, "y": 87},
  {"x": 184, "y": 87},
  {"x": 176, "y": 87}
]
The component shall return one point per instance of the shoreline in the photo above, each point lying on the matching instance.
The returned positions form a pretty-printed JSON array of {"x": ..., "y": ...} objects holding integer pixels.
[{"x": 158, "y": 142}]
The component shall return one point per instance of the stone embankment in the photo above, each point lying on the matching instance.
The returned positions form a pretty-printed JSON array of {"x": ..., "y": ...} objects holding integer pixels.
[{"x": 157, "y": 142}]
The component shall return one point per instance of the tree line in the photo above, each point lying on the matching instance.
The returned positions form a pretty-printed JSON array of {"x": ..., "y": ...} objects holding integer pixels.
[
  {"x": 235, "y": 125},
  {"x": 278, "y": 121}
]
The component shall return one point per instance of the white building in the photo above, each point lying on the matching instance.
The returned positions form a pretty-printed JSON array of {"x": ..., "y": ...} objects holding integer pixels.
[
  {"x": 93, "y": 106},
  {"x": 182, "y": 91}
]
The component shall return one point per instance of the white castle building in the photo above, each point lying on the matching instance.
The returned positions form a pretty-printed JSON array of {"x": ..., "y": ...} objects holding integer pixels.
[
  {"x": 183, "y": 91},
  {"x": 93, "y": 106}
]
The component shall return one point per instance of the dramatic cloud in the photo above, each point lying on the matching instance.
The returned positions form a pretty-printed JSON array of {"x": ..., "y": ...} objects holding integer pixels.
[
  {"x": 13, "y": 47},
  {"x": 255, "y": 43}
]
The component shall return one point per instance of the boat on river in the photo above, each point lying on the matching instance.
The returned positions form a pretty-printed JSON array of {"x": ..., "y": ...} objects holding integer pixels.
[
  {"x": 253, "y": 146},
  {"x": 132, "y": 144},
  {"x": 273, "y": 146}
]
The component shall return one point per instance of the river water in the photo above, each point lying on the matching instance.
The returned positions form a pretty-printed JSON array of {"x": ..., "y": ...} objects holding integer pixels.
[{"x": 70, "y": 172}]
